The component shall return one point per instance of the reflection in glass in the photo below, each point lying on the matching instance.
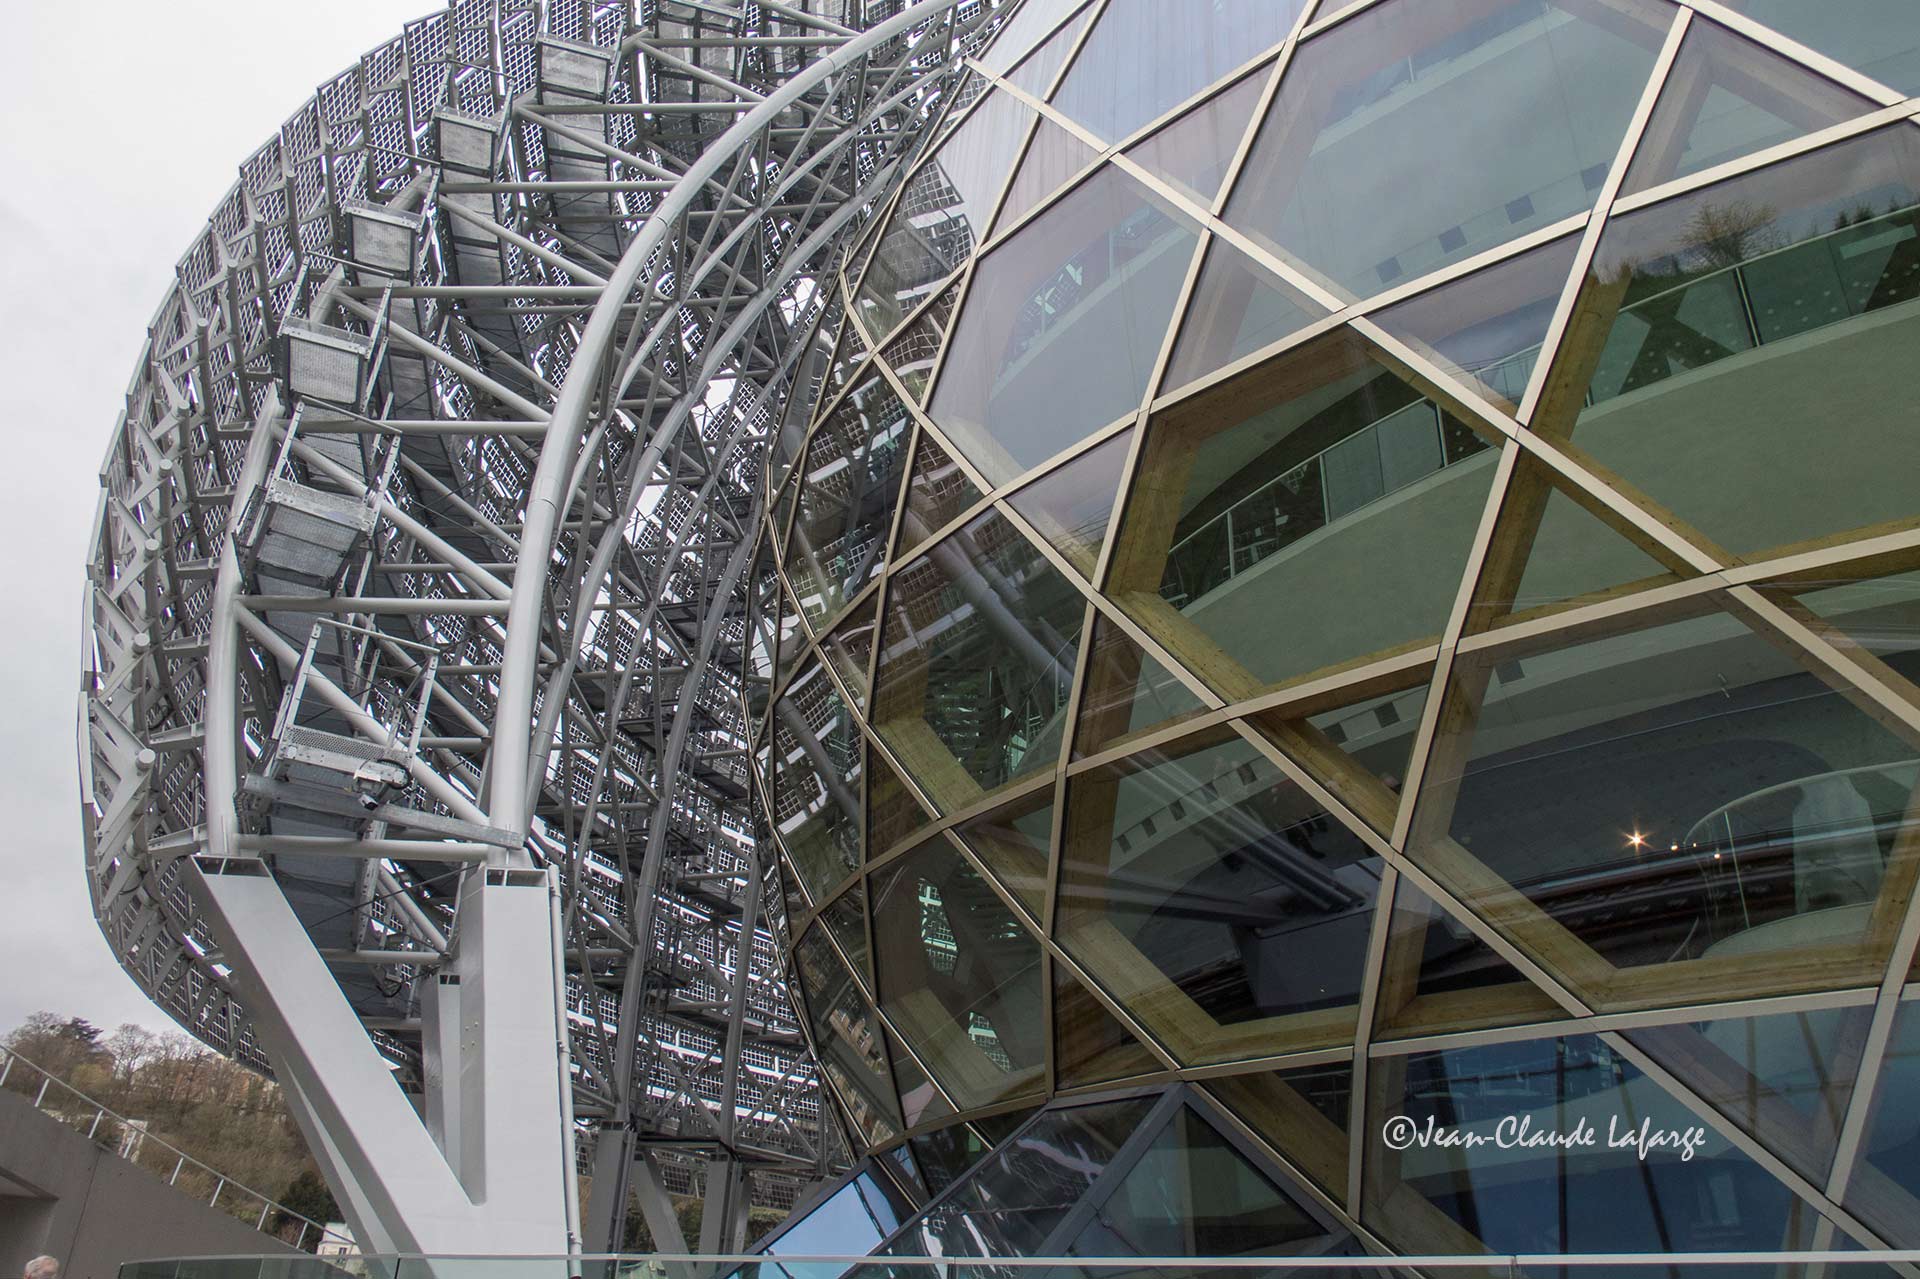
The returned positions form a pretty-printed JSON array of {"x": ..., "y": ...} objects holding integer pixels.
[
  {"x": 1727, "y": 97},
  {"x": 809, "y": 381},
  {"x": 942, "y": 214},
  {"x": 913, "y": 353},
  {"x": 1012, "y": 843},
  {"x": 1137, "y": 65},
  {"x": 1878, "y": 37},
  {"x": 1216, "y": 900},
  {"x": 1054, "y": 156},
  {"x": 848, "y": 489},
  {"x": 1193, "y": 152},
  {"x": 1737, "y": 317},
  {"x": 1072, "y": 505},
  {"x": 1886, "y": 1181},
  {"x": 1302, "y": 1112},
  {"x": 847, "y": 1037},
  {"x": 977, "y": 661},
  {"x": 959, "y": 976},
  {"x": 1415, "y": 135},
  {"x": 850, "y": 1221},
  {"x": 1238, "y": 307},
  {"x": 846, "y": 918},
  {"x": 1062, "y": 324},
  {"x": 816, "y": 782},
  {"x": 1721, "y": 819},
  {"x": 1595, "y": 1197},
  {"x": 1313, "y": 512},
  {"x": 1438, "y": 976},
  {"x": 1126, "y": 692},
  {"x": 945, "y": 1153},
  {"x": 937, "y": 493},
  {"x": 892, "y": 812},
  {"x": 849, "y": 646},
  {"x": 1091, "y": 1046}
]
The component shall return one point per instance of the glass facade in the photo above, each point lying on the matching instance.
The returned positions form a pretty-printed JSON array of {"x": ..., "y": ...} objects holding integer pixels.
[{"x": 1344, "y": 617}]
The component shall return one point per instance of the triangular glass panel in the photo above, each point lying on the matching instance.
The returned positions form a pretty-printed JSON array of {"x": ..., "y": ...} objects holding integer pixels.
[
  {"x": 1127, "y": 692},
  {"x": 1237, "y": 308},
  {"x": 1404, "y": 88},
  {"x": 976, "y": 663},
  {"x": 1015, "y": 1197},
  {"x": 847, "y": 1036},
  {"x": 942, "y": 213},
  {"x": 1720, "y": 813},
  {"x": 1358, "y": 750},
  {"x": 849, "y": 646},
  {"x": 1312, "y": 514},
  {"x": 807, "y": 390},
  {"x": 1302, "y": 1112},
  {"x": 945, "y": 1154},
  {"x": 1550, "y": 551},
  {"x": 1487, "y": 328},
  {"x": 912, "y": 353},
  {"x": 1029, "y": 25},
  {"x": 1072, "y": 504},
  {"x": 1062, "y": 325},
  {"x": 1722, "y": 323},
  {"x": 937, "y": 493},
  {"x": 920, "y": 1101},
  {"x": 816, "y": 782},
  {"x": 893, "y": 814},
  {"x": 1194, "y": 151},
  {"x": 1438, "y": 977},
  {"x": 1878, "y": 37},
  {"x": 1784, "y": 1079},
  {"x": 1012, "y": 842},
  {"x": 1090, "y": 1044},
  {"x": 1885, "y": 1188},
  {"x": 1055, "y": 156},
  {"x": 846, "y": 918},
  {"x": 1634, "y": 1169},
  {"x": 1194, "y": 1194},
  {"x": 1216, "y": 901},
  {"x": 849, "y": 484},
  {"x": 1876, "y": 615},
  {"x": 1727, "y": 97},
  {"x": 997, "y": 1128},
  {"x": 959, "y": 976},
  {"x": 792, "y": 639},
  {"x": 1035, "y": 76},
  {"x": 1137, "y": 65}
]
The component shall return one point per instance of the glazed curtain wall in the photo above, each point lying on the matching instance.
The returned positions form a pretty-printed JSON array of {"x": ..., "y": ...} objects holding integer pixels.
[{"x": 1358, "y": 563}]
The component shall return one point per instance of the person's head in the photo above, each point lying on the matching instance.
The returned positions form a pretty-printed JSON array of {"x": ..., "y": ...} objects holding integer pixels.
[{"x": 42, "y": 1267}]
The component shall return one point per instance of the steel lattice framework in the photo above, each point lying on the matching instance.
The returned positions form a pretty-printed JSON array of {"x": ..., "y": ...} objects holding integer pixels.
[{"x": 414, "y": 699}]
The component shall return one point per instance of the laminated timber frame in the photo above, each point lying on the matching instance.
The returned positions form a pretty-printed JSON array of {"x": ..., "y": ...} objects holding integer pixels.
[{"x": 477, "y": 360}]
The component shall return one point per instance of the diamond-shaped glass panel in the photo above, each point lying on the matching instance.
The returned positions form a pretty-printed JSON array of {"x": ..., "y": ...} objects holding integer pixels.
[
  {"x": 816, "y": 781},
  {"x": 847, "y": 1035},
  {"x": 849, "y": 485},
  {"x": 1072, "y": 504}
]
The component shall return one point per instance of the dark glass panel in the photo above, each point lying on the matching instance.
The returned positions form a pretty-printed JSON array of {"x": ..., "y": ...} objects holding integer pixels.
[
  {"x": 1879, "y": 37},
  {"x": 1012, "y": 843},
  {"x": 1061, "y": 325},
  {"x": 1728, "y": 322},
  {"x": 1138, "y": 65},
  {"x": 977, "y": 661},
  {"x": 1785, "y": 1079},
  {"x": 1054, "y": 156},
  {"x": 1722, "y": 819},
  {"x": 1414, "y": 135},
  {"x": 1127, "y": 692},
  {"x": 1302, "y": 1112},
  {"x": 1238, "y": 307},
  {"x": 1015, "y": 1197},
  {"x": 1312, "y": 513},
  {"x": 1885, "y": 1188},
  {"x": 792, "y": 637},
  {"x": 848, "y": 492},
  {"x": 913, "y": 353},
  {"x": 1727, "y": 97},
  {"x": 816, "y": 782},
  {"x": 959, "y": 976},
  {"x": 943, "y": 211},
  {"x": 846, "y": 918},
  {"x": 851, "y": 1221},
  {"x": 1194, "y": 151},
  {"x": 1487, "y": 328},
  {"x": 1090, "y": 1044},
  {"x": 847, "y": 1035},
  {"x": 1072, "y": 505},
  {"x": 1878, "y": 615},
  {"x": 1590, "y": 1197},
  {"x": 1216, "y": 901},
  {"x": 921, "y": 1102},
  {"x": 1359, "y": 747},
  {"x": 1438, "y": 977},
  {"x": 1193, "y": 1194},
  {"x": 937, "y": 493},
  {"x": 946, "y": 1153}
]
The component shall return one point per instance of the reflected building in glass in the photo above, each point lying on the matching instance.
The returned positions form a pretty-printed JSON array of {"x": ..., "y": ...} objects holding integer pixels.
[{"x": 1350, "y": 571}]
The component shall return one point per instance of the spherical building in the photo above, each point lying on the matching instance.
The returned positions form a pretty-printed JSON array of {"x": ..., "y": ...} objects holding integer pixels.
[{"x": 1343, "y": 617}]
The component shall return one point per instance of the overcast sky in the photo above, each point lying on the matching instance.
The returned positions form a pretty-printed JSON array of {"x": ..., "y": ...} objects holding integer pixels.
[{"x": 121, "y": 125}]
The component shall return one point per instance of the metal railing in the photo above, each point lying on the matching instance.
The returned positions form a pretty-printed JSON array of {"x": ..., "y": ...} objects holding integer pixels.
[{"x": 130, "y": 1140}]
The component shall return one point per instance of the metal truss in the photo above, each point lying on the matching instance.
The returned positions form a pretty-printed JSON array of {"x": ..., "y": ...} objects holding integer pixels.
[{"x": 413, "y": 745}]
